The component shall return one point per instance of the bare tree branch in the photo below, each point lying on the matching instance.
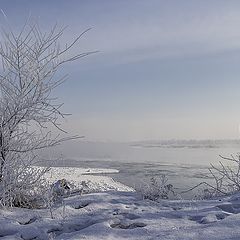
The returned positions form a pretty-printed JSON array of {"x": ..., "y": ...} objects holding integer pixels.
[{"x": 28, "y": 111}]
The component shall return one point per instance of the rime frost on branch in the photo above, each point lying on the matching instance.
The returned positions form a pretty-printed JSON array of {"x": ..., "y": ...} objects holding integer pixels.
[{"x": 28, "y": 110}]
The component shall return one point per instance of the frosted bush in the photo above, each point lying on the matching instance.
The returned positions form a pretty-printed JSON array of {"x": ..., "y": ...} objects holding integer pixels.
[
  {"x": 225, "y": 178},
  {"x": 157, "y": 188}
]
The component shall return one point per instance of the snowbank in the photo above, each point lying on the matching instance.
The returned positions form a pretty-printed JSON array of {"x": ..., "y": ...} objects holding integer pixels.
[
  {"x": 122, "y": 215},
  {"x": 96, "y": 183}
]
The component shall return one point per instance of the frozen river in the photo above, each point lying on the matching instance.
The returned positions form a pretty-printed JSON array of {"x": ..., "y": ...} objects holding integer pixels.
[{"x": 184, "y": 164}]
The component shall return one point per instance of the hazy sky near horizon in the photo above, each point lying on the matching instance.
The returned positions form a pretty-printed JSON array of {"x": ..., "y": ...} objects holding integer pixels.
[{"x": 165, "y": 69}]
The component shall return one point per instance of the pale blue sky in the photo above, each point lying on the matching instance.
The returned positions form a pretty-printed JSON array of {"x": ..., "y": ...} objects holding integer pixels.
[{"x": 166, "y": 69}]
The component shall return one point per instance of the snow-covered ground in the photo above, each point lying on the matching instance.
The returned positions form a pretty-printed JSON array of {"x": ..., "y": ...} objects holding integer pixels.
[
  {"x": 77, "y": 176},
  {"x": 124, "y": 215}
]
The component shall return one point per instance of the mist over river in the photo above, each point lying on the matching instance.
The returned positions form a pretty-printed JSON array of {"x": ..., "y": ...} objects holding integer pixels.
[{"x": 185, "y": 163}]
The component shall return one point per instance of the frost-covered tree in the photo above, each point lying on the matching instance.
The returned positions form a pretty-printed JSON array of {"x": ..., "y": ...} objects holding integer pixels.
[{"x": 28, "y": 111}]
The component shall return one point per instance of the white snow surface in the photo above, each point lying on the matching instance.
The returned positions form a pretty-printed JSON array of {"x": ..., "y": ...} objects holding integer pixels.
[
  {"x": 96, "y": 183},
  {"x": 125, "y": 215}
]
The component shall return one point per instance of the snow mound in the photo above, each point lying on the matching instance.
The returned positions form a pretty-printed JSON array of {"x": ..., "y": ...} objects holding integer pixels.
[{"x": 82, "y": 177}]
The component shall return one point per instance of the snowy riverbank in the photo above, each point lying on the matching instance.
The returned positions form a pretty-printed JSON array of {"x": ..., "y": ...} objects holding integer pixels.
[
  {"x": 96, "y": 183},
  {"x": 122, "y": 214}
]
